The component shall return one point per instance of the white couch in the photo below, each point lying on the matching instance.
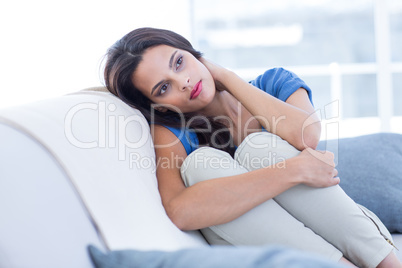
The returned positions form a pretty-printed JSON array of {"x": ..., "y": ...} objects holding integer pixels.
[{"x": 79, "y": 170}]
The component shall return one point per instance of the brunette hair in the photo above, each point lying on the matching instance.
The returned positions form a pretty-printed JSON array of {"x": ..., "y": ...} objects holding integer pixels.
[{"x": 122, "y": 61}]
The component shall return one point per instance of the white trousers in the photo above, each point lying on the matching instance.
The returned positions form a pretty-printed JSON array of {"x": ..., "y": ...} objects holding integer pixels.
[{"x": 320, "y": 220}]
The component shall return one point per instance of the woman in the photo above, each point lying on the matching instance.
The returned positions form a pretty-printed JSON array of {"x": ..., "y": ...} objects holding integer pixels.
[{"x": 236, "y": 162}]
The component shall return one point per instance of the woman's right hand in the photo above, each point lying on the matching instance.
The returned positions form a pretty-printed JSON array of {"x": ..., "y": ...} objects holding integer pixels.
[
  {"x": 318, "y": 168},
  {"x": 217, "y": 72}
]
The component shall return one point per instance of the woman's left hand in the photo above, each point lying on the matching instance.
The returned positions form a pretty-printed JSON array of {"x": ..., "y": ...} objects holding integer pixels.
[{"x": 217, "y": 73}]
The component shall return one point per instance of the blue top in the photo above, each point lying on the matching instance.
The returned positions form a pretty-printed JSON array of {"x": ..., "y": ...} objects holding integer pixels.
[{"x": 277, "y": 82}]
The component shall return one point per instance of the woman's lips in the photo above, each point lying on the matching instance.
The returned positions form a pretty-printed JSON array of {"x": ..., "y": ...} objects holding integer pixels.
[{"x": 196, "y": 90}]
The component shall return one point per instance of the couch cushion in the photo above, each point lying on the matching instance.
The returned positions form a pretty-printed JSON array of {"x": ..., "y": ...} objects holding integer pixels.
[
  {"x": 212, "y": 257},
  {"x": 105, "y": 148},
  {"x": 370, "y": 169}
]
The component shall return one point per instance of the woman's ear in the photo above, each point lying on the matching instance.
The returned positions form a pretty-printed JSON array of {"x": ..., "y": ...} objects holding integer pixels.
[
  {"x": 158, "y": 107},
  {"x": 161, "y": 109}
]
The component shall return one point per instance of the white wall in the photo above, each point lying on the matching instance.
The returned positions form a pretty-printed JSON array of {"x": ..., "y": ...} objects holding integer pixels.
[{"x": 50, "y": 48}]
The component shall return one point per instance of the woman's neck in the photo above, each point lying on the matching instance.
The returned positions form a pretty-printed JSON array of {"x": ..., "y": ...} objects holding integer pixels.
[
  {"x": 233, "y": 114},
  {"x": 224, "y": 106}
]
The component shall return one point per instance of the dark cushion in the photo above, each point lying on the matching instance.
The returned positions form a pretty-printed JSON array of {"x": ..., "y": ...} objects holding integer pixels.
[
  {"x": 209, "y": 257},
  {"x": 370, "y": 169}
]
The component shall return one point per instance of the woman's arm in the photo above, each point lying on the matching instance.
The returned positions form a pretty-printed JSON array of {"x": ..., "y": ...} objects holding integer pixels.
[
  {"x": 312, "y": 129},
  {"x": 211, "y": 202},
  {"x": 293, "y": 120}
]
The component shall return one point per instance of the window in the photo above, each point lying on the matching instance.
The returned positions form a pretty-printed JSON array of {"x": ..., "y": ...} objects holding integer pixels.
[
  {"x": 333, "y": 45},
  {"x": 396, "y": 54},
  {"x": 395, "y": 17}
]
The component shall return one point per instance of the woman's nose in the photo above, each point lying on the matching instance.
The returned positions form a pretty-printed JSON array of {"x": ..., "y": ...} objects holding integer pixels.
[{"x": 186, "y": 83}]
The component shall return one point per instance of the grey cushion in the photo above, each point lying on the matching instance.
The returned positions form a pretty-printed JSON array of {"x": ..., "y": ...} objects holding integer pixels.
[
  {"x": 370, "y": 169},
  {"x": 210, "y": 257}
]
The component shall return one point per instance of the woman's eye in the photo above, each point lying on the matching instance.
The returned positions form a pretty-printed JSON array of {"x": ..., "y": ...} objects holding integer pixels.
[
  {"x": 163, "y": 89},
  {"x": 179, "y": 62}
]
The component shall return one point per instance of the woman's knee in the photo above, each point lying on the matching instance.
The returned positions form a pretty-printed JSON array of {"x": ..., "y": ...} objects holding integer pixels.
[
  {"x": 261, "y": 149},
  {"x": 208, "y": 163}
]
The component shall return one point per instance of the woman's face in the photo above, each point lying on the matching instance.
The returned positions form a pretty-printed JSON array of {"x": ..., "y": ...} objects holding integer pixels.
[{"x": 174, "y": 79}]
